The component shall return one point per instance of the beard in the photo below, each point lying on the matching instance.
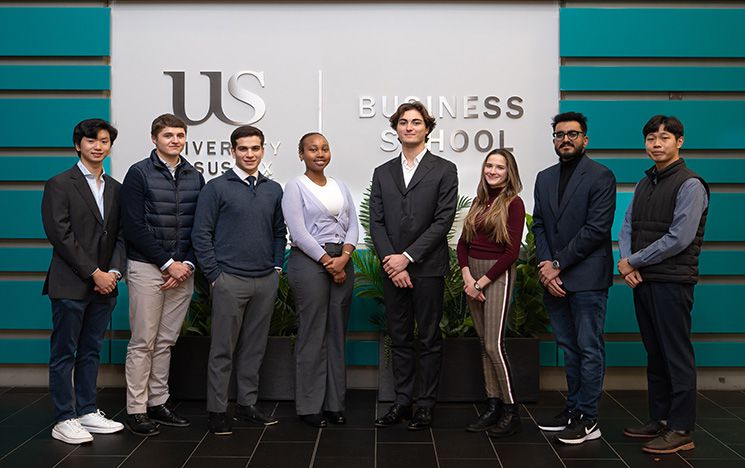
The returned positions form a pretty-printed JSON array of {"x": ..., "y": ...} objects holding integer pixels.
[{"x": 575, "y": 153}]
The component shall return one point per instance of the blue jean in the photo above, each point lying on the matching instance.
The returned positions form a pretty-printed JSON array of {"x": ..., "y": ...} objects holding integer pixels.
[
  {"x": 577, "y": 321},
  {"x": 75, "y": 345}
]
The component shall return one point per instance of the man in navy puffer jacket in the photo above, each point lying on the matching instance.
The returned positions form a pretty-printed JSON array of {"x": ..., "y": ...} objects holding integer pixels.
[{"x": 158, "y": 199}]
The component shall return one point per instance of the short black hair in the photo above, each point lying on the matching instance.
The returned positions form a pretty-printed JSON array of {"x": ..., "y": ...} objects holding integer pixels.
[
  {"x": 245, "y": 131},
  {"x": 301, "y": 144},
  {"x": 671, "y": 124},
  {"x": 570, "y": 117},
  {"x": 89, "y": 128}
]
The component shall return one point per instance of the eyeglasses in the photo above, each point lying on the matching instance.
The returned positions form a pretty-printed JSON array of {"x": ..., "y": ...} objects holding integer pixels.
[{"x": 572, "y": 134}]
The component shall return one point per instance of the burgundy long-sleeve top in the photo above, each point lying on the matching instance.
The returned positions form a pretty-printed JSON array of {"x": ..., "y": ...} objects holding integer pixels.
[{"x": 483, "y": 246}]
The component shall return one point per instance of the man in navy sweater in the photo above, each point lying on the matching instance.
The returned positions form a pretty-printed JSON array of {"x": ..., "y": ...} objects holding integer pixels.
[{"x": 239, "y": 238}]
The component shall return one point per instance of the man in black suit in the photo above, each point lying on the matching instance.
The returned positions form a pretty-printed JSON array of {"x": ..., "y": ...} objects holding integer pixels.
[
  {"x": 574, "y": 205},
  {"x": 412, "y": 207},
  {"x": 80, "y": 213}
]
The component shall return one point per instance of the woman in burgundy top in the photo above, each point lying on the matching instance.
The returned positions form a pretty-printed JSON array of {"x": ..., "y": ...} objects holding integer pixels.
[{"x": 487, "y": 251}]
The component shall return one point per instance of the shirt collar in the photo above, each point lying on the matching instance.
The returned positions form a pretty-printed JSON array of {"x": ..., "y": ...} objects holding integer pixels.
[
  {"x": 85, "y": 170},
  {"x": 417, "y": 159},
  {"x": 165, "y": 164},
  {"x": 243, "y": 174}
]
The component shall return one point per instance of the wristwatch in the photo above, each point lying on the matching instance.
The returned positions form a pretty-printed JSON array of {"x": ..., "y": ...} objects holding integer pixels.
[
  {"x": 555, "y": 264},
  {"x": 476, "y": 286}
]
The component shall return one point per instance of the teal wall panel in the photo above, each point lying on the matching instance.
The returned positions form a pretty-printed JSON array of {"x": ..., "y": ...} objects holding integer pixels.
[
  {"x": 34, "y": 351},
  {"x": 55, "y": 77},
  {"x": 23, "y": 207},
  {"x": 39, "y": 31},
  {"x": 362, "y": 352},
  {"x": 618, "y": 124},
  {"x": 56, "y": 116},
  {"x": 717, "y": 308},
  {"x": 23, "y": 306},
  {"x": 25, "y": 259},
  {"x": 722, "y": 223},
  {"x": 713, "y": 170},
  {"x": 36, "y": 168},
  {"x": 665, "y": 79},
  {"x": 714, "y": 262},
  {"x": 652, "y": 32},
  {"x": 708, "y": 354},
  {"x": 548, "y": 353}
]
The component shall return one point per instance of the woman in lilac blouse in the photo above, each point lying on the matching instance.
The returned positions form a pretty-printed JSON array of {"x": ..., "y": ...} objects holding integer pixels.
[{"x": 322, "y": 221}]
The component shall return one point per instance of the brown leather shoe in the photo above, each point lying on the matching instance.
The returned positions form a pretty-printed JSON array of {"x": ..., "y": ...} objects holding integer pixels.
[{"x": 670, "y": 442}]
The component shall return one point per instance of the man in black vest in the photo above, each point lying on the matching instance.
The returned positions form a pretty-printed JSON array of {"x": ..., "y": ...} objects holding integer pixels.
[{"x": 659, "y": 244}]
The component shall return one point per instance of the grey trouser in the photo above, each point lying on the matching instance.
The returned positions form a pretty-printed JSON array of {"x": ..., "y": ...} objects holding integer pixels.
[
  {"x": 241, "y": 313},
  {"x": 323, "y": 311},
  {"x": 490, "y": 321},
  {"x": 155, "y": 319}
]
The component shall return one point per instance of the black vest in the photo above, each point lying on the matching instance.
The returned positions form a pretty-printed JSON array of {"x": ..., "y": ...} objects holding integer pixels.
[{"x": 651, "y": 216}]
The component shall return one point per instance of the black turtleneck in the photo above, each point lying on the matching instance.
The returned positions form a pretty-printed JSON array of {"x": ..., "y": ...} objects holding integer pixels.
[{"x": 566, "y": 169}]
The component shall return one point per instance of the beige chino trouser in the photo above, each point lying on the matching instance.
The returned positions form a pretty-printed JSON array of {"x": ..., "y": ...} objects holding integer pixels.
[{"x": 155, "y": 319}]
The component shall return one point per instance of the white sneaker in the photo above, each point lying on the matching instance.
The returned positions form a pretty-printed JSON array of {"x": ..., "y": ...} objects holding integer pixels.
[
  {"x": 97, "y": 423},
  {"x": 71, "y": 432}
]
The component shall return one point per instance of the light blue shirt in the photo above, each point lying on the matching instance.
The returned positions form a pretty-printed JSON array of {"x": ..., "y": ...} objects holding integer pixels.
[
  {"x": 690, "y": 204},
  {"x": 96, "y": 189}
]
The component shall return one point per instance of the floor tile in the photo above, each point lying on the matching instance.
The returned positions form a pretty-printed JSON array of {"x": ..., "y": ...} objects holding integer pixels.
[
  {"x": 350, "y": 443},
  {"x": 290, "y": 430},
  {"x": 400, "y": 433},
  {"x": 597, "y": 448},
  {"x": 462, "y": 444},
  {"x": 283, "y": 454},
  {"x": 709, "y": 409},
  {"x": 707, "y": 446},
  {"x": 239, "y": 444},
  {"x": 453, "y": 417},
  {"x": 343, "y": 462},
  {"x": 612, "y": 429},
  {"x": 153, "y": 454},
  {"x": 217, "y": 462},
  {"x": 739, "y": 448},
  {"x": 725, "y": 399},
  {"x": 14, "y": 402},
  {"x": 527, "y": 456},
  {"x": 469, "y": 463},
  {"x": 121, "y": 443},
  {"x": 729, "y": 431},
  {"x": 632, "y": 454},
  {"x": 105, "y": 461},
  {"x": 195, "y": 432},
  {"x": 38, "y": 452},
  {"x": 529, "y": 434},
  {"x": 720, "y": 464},
  {"x": 12, "y": 437},
  {"x": 406, "y": 455},
  {"x": 594, "y": 463}
]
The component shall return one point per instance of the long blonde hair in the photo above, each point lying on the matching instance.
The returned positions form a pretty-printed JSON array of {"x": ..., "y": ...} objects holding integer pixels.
[{"x": 494, "y": 218}]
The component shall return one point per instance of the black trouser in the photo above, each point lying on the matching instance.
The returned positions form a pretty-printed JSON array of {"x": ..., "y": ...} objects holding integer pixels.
[
  {"x": 663, "y": 311},
  {"x": 407, "y": 309}
]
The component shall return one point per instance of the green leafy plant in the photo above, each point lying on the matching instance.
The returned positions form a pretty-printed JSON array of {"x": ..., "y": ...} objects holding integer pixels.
[{"x": 528, "y": 315}]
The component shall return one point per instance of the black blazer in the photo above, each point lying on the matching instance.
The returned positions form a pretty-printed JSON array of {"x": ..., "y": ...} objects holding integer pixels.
[
  {"x": 417, "y": 218},
  {"x": 577, "y": 231},
  {"x": 81, "y": 240}
]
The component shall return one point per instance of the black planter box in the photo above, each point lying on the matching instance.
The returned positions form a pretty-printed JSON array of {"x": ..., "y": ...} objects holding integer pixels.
[
  {"x": 188, "y": 376},
  {"x": 462, "y": 377}
]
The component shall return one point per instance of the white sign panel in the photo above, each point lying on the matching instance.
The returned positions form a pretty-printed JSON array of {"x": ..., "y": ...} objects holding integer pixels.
[{"x": 488, "y": 72}]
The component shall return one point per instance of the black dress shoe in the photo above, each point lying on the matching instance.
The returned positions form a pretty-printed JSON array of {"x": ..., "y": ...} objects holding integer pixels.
[
  {"x": 219, "y": 423},
  {"x": 314, "y": 420},
  {"x": 422, "y": 419},
  {"x": 166, "y": 416},
  {"x": 140, "y": 424},
  {"x": 396, "y": 413},
  {"x": 335, "y": 417},
  {"x": 253, "y": 414}
]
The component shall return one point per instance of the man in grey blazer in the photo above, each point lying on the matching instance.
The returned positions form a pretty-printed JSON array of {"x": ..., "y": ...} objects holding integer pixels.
[
  {"x": 412, "y": 207},
  {"x": 80, "y": 213},
  {"x": 574, "y": 205}
]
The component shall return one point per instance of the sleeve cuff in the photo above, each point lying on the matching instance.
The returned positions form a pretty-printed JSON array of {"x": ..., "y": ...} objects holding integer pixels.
[
  {"x": 191, "y": 265},
  {"x": 167, "y": 264},
  {"x": 117, "y": 273},
  {"x": 408, "y": 256}
]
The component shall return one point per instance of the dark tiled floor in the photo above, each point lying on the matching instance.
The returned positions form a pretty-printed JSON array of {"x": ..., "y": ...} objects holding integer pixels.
[{"x": 25, "y": 440}]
